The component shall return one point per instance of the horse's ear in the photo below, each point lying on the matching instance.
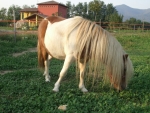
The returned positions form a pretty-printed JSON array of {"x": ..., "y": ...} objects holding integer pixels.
[{"x": 125, "y": 56}]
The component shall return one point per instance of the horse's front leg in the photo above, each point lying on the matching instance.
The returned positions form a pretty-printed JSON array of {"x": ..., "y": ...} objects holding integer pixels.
[
  {"x": 81, "y": 83},
  {"x": 46, "y": 72},
  {"x": 68, "y": 60}
]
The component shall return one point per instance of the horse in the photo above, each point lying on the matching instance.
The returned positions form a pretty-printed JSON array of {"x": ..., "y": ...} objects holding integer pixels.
[
  {"x": 43, "y": 60},
  {"x": 94, "y": 50}
]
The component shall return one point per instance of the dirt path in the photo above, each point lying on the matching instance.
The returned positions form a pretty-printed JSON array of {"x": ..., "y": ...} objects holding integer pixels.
[
  {"x": 16, "y": 55},
  {"x": 6, "y": 32},
  {"x": 21, "y": 53}
]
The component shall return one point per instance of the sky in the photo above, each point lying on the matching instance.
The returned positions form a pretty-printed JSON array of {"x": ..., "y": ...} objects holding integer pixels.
[{"x": 140, "y": 4}]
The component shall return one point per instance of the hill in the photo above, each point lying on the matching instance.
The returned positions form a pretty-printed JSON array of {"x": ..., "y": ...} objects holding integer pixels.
[{"x": 128, "y": 12}]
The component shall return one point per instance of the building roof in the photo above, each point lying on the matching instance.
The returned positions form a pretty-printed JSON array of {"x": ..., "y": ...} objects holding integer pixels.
[
  {"x": 29, "y": 10},
  {"x": 38, "y": 14},
  {"x": 52, "y": 2}
]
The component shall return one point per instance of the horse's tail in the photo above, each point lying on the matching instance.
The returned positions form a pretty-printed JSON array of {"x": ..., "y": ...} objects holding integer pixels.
[{"x": 42, "y": 52}]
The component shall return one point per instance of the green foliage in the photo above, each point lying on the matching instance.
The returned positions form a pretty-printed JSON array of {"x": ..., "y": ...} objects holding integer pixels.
[
  {"x": 68, "y": 4},
  {"x": 24, "y": 90},
  {"x": 3, "y": 16},
  {"x": 110, "y": 9},
  {"x": 17, "y": 9},
  {"x": 3, "y": 13},
  {"x": 114, "y": 19},
  {"x": 133, "y": 21},
  {"x": 95, "y": 10}
]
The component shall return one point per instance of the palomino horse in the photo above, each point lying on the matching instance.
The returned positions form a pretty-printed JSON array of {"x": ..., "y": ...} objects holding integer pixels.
[
  {"x": 42, "y": 52},
  {"x": 78, "y": 39}
]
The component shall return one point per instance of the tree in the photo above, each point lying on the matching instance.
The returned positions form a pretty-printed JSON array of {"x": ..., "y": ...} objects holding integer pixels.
[
  {"x": 95, "y": 8},
  {"x": 17, "y": 9},
  {"x": 109, "y": 11},
  {"x": 85, "y": 10},
  {"x": 3, "y": 16},
  {"x": 68, "y": 4},
  {"x": 72, "y": 10},
  {"x": 115, "y": 18},
  {"x": 26, "y": 6},
  {"x": 3, "y": 13},
  {"x": 79, "y": 9},
  {"x": 133, "y": 21},
  {"x": 32, "y": 6}
]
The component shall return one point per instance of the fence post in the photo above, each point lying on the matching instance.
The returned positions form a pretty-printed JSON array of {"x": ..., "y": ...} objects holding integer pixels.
[
  {"x": 143, "y": 25},
  {"x": 100, "y": 22},
  {"x": 14, "y": 25}
]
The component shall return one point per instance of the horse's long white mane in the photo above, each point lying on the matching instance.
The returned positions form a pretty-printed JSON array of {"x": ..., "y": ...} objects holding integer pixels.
[{"x": 103, "y": 52}]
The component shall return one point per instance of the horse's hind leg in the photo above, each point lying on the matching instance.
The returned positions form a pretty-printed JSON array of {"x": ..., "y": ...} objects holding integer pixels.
[
  {"x": 68, "y": 60},
  {"x": 46, "y": 72},
  {"x": 81, "y": 84}
]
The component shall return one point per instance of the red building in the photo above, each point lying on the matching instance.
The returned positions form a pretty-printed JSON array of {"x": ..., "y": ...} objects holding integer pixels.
[
  {"x": 45, "y": 9},
  {"x": 52, "y": 8}
]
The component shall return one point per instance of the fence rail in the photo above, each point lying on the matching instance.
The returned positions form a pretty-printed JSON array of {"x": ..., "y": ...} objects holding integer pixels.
[{"x": 106, "y": 25}]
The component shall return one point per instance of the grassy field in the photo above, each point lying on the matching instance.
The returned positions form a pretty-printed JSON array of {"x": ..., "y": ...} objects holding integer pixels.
[{"x": 23, "y": 89}]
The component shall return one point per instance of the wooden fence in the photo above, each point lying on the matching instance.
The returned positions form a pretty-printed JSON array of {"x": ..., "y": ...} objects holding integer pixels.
[{"x": 106, "y": 25}]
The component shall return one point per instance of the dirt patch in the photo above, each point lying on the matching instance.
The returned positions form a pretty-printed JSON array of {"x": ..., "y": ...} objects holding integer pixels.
[
  {"x": 5, "y": 72},
  {"x": 8, "y": 71},
  {"x": 16, "y": 55},
  {"x": 7, "y": 32},
  {"x": 22, "y": 53}
]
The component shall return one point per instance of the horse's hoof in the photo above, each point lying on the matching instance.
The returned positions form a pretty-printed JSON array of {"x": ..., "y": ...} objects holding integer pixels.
[
  {"x": 47, "y": 78},
  {"x": 84, "y": 90},
  {"x": 55, "y": 90}
]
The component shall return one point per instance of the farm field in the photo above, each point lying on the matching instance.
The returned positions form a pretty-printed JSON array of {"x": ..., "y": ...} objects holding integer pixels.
[{"x": 23, "y": 87}]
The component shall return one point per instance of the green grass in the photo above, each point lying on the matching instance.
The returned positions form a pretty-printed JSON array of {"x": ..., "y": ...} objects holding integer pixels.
[{"x": 24, "y": 90}]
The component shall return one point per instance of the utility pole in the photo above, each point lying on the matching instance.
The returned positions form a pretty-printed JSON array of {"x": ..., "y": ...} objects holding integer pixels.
[{"x": 14, "y": 25}]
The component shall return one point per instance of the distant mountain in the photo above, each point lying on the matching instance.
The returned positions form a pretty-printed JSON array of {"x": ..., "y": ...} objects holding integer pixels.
[{"x": 128, "y": 12}]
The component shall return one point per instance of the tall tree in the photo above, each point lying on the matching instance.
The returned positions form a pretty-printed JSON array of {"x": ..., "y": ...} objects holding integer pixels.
[
  {"x": 27, "y": 6},
  {"x": 95, "y": 7},
  {"x": 79, "y": 8},
  {"x": 32, "y": 6},
  {"x": 3, "y": 16},
  {"x": 110, "y": 9},
  {"x": 85, "y": 10},
  {"x": 73, "y": 11},
  {"x": 68, "y": 4},
  {"x": 132, "y": 21},
  {"x": 114, "y": 19},
  {"x": 3, "y": 12},
  {"x": 17, "y": 9}
]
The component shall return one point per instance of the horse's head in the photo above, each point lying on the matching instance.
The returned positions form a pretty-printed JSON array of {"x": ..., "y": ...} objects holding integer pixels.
[{"x": 126, "y": 73}]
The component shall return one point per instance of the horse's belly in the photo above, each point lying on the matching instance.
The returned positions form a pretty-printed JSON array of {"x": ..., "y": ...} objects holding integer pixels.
[
  {"x": 56, "y": 50},
  {"x": 55, "y": 47},
  {"x": 57, "y": 53}
]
